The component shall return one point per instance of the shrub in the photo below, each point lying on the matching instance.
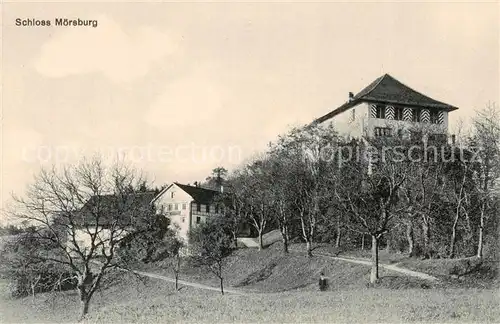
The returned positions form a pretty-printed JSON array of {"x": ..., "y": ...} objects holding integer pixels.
[{"x": 27, "y": 273}]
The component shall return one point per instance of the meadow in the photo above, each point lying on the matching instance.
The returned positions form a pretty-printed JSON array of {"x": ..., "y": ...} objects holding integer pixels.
[{"x": 275, "y": 288}]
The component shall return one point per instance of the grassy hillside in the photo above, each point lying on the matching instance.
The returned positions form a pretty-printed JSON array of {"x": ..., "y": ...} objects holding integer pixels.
[
  {"x": 153, "y": 301},
  {"x": 280, "y": 288},
  {"x": 271, "y": 271}
]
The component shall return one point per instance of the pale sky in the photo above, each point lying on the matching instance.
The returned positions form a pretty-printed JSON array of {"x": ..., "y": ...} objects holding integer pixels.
[{"x": 226, "y": 78}]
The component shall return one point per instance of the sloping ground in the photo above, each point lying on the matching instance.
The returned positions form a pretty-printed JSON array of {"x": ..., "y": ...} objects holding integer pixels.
[
  {"x": 465, "y": 272},
  {"x": 459, "y": 273},
  {"x": 271, "y": 271},
  {"x": 154, "y": 301},
  {"x": 131, "y": 300},
  {"x": 267, "y": 239},
  {"x": 332, "y": 253}
]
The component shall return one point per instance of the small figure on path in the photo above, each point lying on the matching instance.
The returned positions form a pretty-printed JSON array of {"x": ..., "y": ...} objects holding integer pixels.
[{"x": 323, "y": 284}]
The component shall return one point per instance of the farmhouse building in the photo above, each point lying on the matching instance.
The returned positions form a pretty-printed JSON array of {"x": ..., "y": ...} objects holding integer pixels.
[
  {"x": 187, "y": 206},
  {"x": 387, "y": 107},
  {"x": 105, "y": 215}
]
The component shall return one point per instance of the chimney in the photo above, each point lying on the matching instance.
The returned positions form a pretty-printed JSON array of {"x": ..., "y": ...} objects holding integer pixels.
[
  {"x": 351, "y": 96},
  {"x": 196, "y": 183}
]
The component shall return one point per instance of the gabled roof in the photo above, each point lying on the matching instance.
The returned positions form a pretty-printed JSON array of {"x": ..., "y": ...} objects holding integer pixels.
[
  {"x": 115, "y": 208},
  {"x": 199, "y": 194},
  {"x": 388, "y": 90}
]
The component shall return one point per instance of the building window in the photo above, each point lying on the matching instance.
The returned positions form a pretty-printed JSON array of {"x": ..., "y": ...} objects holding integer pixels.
[
  {"x": 171, "y": 195},
  {"x": 183, "y": 206},
  {"x": 207, "y": 208},
  {"x": 434, "y": 116},
  {"x": 398, "y": 113},
  {"x": 383, "y": 131},
  {"x": 198, "y": 220},
  {"x": 176, "y": 207},
  {"x": 169, "y": 207},
  {"x": 198, "y": 207},
  {"x": 416, "y": 115},
  {"x": 380, "y": 111}
]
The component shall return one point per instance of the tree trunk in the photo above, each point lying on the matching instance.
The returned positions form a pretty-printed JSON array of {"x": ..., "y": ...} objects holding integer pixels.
[
  {"x": 177, "y": 270},
  {"x": 337, "y": 240},
  {"x": 410, "y": 238},
  {"x": 84, "y": 306},
  {"x": 388, "y": 243},
  {"x": 33, "y": 293},
  {"x": 235, "y": 239},
  {"x": 221, "y": 286},
  {"x": 426, "y": 234},
  {"x": 481, "y": 233},
  {"x": 309, "y": 248},
  {"x": 284, "y": 236},
  {"x": 261, "y": 242},
  {"x": 455, "y": 222},
  {"x": 374, "y": 272},
  {"x": 453, "y": 237},
  {"x": 362, "y": 242}
]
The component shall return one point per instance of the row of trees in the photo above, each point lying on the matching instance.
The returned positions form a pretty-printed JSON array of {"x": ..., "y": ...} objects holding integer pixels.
[
  {"x": 311, "y": 184},
  {"x": 430, "y": 200}
]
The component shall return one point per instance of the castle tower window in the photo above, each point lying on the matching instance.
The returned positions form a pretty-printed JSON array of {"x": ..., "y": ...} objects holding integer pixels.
[
  {"x": 380, "y": 111},
  {"x": 383, "y": 131},
  {"x": 416, "y": 114},
  {"x": 434, "y": 117},
  {"x": 398, "y": 113}
]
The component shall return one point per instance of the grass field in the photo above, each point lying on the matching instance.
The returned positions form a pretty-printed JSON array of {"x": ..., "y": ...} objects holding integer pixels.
[
  {"x": 279, "y": 289},
  {"x": 153, "y": 301}
]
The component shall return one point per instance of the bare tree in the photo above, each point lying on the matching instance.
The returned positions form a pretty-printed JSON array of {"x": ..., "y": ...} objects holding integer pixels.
[
  {"x": 254, "y": 192},
  {"x": 85, "y": 211},
  {"x": 486, "y": 141},
  {"x": 423, "y": 192},
  {"x": 459, "y": 185},
  {"x": 231, "y": 203},
  {"x": 309, "y": 155},
  {"x": 211, "y": 245},
  {"x": 370, "y": 195}
]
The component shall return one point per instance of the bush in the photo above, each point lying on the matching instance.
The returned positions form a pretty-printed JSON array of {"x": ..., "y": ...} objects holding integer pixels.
[{"x": 28, "y": 273}]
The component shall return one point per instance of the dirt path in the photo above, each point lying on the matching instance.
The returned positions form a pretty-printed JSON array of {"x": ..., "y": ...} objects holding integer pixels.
[
  {"x": 391, "y": 267},
  {"x": 190, "y": 284}
]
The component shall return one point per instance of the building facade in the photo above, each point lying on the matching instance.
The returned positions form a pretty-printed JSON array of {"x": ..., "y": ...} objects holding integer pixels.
[
  {"x": 104, "y": 218},
  {"x": 187, "y": 206},
  {"x": 387, "y": 107}
]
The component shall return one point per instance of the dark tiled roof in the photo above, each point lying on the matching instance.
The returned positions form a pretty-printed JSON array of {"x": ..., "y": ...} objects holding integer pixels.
[
  {"x": 387, "y": 89},
  {"x": 200, "y": 195},
  {"x": 120, "y": 208}
]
